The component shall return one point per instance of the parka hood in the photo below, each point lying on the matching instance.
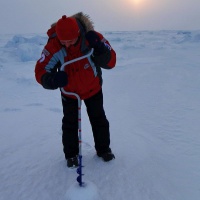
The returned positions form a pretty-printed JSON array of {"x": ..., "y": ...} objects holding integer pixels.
[
  {"x": 84, "y": 20},
  {"x": 85, "y": 24}
]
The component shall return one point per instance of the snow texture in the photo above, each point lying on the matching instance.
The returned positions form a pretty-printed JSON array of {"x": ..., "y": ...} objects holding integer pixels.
[{"x": 152, "y": 101}]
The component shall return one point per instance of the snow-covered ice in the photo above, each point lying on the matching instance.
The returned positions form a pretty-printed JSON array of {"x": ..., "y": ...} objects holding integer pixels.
[
  {"x": 88, "y": 191},
  {"x": 152, "y": 100}
]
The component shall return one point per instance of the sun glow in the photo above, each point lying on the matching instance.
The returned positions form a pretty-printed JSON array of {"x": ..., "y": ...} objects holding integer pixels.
[
  {"x": 137, "y": 2},
  {"x": 137, "y": 5}
]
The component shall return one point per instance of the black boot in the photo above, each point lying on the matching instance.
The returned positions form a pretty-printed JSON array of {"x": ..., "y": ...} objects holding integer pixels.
[
  {"x": 107, "y": 156},
  {"x": 72, "y": 162}
]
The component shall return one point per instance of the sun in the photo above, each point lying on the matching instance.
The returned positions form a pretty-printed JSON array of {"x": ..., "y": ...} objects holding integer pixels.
[
  {"x": 137, "y": 5},
  {"x": 136, "y": 2}
]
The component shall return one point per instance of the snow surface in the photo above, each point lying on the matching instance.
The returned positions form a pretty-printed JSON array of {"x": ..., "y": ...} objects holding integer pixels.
[{"x": 152, "y": 100}]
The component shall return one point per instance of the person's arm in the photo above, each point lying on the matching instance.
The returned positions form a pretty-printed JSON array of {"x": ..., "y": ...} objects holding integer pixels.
[
  {"x": 46, "y": 70},
  {"x": 104, "y": 56}
]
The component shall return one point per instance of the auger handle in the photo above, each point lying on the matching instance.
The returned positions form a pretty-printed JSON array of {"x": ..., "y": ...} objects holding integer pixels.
[{"x": 76, "y": 59}]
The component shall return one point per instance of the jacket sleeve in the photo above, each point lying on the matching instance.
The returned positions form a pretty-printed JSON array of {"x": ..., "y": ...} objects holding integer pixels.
[
  {"x": 112, "y": 61},
  {"x": 47, "y": 66},
  {"x": 108, "y": 58}
]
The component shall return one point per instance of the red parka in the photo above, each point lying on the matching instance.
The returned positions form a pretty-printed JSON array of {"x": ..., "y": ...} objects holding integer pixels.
[{"x": 84, "y": 78}]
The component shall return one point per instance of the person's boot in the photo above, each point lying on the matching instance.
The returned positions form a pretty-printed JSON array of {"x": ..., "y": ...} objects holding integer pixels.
[
  {"x": 107, "y": 156},
  {"x": 72, "y": 162}
]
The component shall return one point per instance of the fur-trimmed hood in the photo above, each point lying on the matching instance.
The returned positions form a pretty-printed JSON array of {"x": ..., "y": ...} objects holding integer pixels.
[{"x": 84, "y": 20}]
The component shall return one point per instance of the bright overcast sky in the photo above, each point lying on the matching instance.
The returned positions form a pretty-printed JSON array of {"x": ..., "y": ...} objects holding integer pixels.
[{"x": 35, "y": 16}]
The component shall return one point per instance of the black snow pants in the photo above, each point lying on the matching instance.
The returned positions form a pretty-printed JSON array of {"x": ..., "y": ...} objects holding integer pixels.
[{"x": 98, "y": 121}]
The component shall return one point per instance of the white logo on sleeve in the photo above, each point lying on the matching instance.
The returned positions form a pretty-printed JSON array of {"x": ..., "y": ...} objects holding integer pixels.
[
  {"x": 42, "y": 58},
  {"x": 108, "y": 46}
]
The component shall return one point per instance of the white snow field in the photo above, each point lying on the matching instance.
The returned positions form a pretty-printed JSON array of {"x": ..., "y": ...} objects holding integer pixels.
[{"x": 152, "y": 101}]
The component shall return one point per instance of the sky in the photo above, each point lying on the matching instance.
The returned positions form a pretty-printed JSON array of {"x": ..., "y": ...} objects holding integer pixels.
[{"x": 28, "y": 16}]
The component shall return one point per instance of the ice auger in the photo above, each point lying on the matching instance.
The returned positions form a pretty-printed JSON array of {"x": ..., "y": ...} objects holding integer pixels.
[{"x": 79, "y": 169}]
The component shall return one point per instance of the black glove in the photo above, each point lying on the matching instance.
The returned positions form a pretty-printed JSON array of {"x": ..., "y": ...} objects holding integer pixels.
[
  {"x": 102, "y": 54},
  {"x": 60, "y": 79},
  {"x": 53, "y": 81},
  {"x": 95, "y": 42}
]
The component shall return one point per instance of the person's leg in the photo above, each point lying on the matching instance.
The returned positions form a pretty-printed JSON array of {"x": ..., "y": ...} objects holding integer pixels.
[
  {"x": 99, "y": 123},
  {"x": 70, "y": 127}
]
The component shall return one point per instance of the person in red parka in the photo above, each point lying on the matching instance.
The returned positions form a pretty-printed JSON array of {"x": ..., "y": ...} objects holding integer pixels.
[{"x": 70, "y": 38}]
